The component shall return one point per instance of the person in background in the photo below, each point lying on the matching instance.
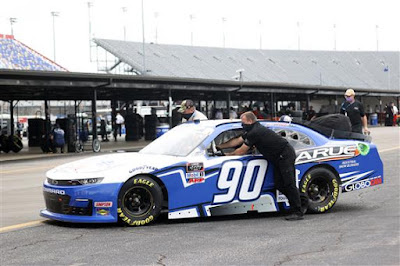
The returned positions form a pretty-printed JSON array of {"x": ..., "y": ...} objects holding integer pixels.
[
  {"x": 311, "y": 114},
  {"x": 58, "y": 140},
  {"x": 355, "y": 111},
  {"x": 304, "y": 115},
  {"x": 189, "y": 112},
  {"x": 219, "y": 114},
  {"x": 103, "y": 129},
  {"x": 389, "y": 115},
  {"x": 119, "y": 120},
  {"x": 232, "y": 114},
  {"x": 395, "y": 113}
]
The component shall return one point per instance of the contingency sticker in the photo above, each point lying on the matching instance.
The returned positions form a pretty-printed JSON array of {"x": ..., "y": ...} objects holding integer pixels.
[
  {"x": 195, "y": 173},
  {"x": 363, "y": 148}
]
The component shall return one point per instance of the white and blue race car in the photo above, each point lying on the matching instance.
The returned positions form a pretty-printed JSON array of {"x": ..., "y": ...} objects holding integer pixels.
[{"x": 184, "y": 174}]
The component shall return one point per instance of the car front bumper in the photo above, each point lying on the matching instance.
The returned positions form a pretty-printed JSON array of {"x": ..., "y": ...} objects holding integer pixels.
[{"x": 81, "y": 204}]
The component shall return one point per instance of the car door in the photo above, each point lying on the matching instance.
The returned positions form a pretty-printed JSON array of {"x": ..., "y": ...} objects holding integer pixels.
[{"x": 242, "y": 183}]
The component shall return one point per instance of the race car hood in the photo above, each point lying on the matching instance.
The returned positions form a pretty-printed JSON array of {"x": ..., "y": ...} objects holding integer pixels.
[{"x": 117, "y": 166}]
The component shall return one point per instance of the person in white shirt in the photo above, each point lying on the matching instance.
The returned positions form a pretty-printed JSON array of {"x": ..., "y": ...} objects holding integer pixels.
[
  {"x": 218, "y": 114},
  {"x": 189, "y": 112},
  {"x": 395, "y": 114},
  {"x": 119, "y": 120},
  {"x": 232, "y": 114}
]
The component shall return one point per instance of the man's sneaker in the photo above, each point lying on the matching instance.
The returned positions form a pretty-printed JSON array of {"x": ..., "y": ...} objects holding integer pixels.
[{"x": 294, "y": 217}]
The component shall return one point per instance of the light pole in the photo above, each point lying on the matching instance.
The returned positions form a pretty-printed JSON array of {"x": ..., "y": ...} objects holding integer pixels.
[
  {"x": 144, "y": 52},
  {"x": 191, "y": 16},
  {"x": 377, "y": 37},
  {"x": 54, "y": 14},
  {"x": 12, "y": 22},
  {"x": 90, "y": 4},
  {"x": 124, "y": 9},
  {"x": 260, "y": 24},
  {"x": 156, "y": 14},
  {"x": 298, "y": 35},
  {"x": 223, "y": 31},
  {"x": 334, "y": 37}
]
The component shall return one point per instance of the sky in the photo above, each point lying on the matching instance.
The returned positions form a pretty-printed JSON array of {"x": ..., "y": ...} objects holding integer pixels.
[{"x": 350, "y": 25}]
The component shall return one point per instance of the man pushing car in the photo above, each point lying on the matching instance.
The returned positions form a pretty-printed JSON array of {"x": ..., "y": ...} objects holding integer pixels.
[{"x": 276, "y": 150}]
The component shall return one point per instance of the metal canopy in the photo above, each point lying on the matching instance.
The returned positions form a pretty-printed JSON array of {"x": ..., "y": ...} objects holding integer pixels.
[{"x": 41, "y": 85}]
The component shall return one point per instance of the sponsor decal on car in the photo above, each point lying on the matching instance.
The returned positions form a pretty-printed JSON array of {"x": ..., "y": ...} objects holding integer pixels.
[
  {"x": 54, "y": 191},
  {"x": 103, "y": 212},
  {"x": 373, "y": 181},
  {"x": 143, "y": 168},
  {"x": 195, "y": 173},
  {"x": 327, "y": 154},
  {"x": 349, "y": 163},
  {"x": 363, "y": 148},
  {"x": 104, "y": 204}
]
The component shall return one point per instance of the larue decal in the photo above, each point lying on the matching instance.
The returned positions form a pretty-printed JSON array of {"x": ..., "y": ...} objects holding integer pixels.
[{"x": 327, "y": 154}]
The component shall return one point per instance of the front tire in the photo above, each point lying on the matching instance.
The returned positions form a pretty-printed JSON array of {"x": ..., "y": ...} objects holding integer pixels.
[
  {"x": 322, "y": 189},
  {"x": 139, "y": 201}
]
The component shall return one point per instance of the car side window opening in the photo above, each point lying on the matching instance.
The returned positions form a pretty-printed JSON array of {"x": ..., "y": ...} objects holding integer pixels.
[
  {"x": 298, "y": 140},
  {"x": 222, "y": 138}
]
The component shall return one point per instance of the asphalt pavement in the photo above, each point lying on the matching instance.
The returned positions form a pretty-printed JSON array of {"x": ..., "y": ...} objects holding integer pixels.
[{"x": 362, "y": 229}]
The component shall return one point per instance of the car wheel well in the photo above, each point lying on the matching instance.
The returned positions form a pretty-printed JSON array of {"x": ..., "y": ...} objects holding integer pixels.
[
  {"x": 159, "y": 182},
  {"x": 328, "y": 167}
]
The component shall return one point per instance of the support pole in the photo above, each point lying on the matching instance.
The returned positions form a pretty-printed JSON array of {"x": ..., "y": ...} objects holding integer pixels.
[
  {"x": 12, "y": 117},
  {"x": 94, "y": 114},
  {"x": 273, "y": 106},
  {"x": 170, "y": 107},
  {"x": 46, "y": 117},
  {"x": 229, "y": 103},
  {"x": 336, "y": 104},
  {"x": 113, "y": 115}
]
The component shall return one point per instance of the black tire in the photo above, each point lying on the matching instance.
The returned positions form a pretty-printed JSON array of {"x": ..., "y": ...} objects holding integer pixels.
[
  {"x": 322, "y": 189},
  {"x": 139, "y": 201},
  {"x": 4, "y": 143},
  {"x": 15, "y": 143},
  {"x": 78, "y": 146}
]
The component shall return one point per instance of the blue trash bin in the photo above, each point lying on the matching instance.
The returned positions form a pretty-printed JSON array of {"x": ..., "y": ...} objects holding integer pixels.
[
  {"x": 161, "y": 129},
  {"x": 374, "y": 119}
]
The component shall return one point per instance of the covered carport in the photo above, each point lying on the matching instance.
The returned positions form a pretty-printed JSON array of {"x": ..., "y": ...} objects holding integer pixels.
[{"x": 40, "y": 85}]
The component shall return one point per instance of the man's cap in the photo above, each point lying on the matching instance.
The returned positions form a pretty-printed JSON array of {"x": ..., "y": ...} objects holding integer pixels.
[
  {"x": 186, "y": 104},
  {"x": 349, "y": 92}
]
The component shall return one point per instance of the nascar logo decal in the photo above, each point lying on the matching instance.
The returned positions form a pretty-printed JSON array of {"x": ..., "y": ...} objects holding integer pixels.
[{"x": 327, "y": 154}]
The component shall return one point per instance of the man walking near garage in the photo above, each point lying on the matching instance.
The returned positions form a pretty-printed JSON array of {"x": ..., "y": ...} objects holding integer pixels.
[
  {"x": 275, "y": 150},
  {"x": 355, "y": 111},
  {"x": 189, "y": 112}
]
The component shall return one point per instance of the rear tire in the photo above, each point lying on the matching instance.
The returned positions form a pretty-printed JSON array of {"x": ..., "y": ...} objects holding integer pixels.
[
  {"x": 322, "y": 188},
  {"x": 139, "y": 201}
]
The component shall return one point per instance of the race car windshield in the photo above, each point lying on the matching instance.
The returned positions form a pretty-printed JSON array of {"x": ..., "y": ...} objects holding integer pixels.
[{"x": 179, "y": 141}]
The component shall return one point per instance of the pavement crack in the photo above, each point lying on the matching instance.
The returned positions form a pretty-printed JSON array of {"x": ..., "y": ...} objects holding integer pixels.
[
  {"x": 160, "y": 259},
  {"x": 78, "y": 237},
  {"x": 289, "y": 258},
  {"x": 30, "y": 244}
]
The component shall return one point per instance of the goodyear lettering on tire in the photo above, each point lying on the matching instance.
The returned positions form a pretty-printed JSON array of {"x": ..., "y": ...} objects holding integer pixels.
[
  {"x": 143, "y": 182},
  {"x": 134, "y": 222},
  {"x": 335, "y": 195}
]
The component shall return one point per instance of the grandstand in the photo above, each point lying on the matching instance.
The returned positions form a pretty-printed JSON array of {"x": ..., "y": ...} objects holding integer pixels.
[
  {"x": 18, "y": 56},
  {"x": 359, "y": 70}
]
